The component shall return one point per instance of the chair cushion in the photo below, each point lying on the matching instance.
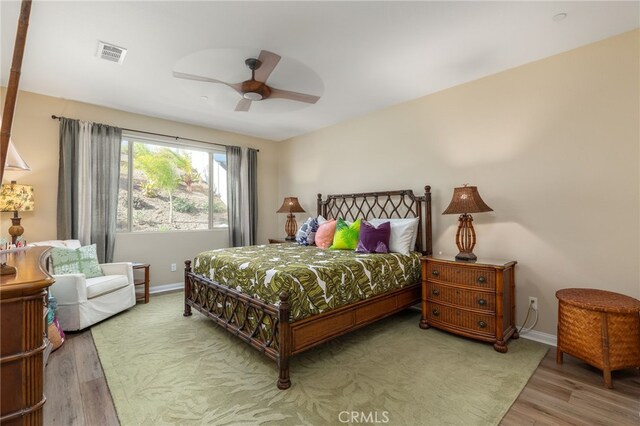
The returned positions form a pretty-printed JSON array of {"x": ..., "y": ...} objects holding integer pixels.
[{"x": 106, "y": 284}]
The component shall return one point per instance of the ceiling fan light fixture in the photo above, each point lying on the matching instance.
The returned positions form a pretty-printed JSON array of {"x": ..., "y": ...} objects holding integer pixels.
[{"x": 252, "y": 96}]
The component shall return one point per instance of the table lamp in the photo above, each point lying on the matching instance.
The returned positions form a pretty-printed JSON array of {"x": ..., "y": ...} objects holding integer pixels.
[
  {"x": 466, "y": 199},
  {"x": 290, "y": 205},
  {"x": 16, "y": 198},
  {"x": 13, "y": 162}
]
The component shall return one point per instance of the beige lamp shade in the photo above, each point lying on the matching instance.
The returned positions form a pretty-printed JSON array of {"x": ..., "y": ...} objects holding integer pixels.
[
  {"x": 14, "y": 161},
  {"x": 16, "y": 198},
  {"x": 466, "y": 199},
  {"x": 290, "y": 205}
]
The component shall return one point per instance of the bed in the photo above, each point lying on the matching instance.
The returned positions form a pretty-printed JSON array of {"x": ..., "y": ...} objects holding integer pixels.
[{"x": 285, "y": 320}]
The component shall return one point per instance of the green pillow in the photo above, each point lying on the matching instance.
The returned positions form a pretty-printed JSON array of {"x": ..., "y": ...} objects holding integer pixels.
[
  {"x": 83, "y": 260},
  {"x": 346, "y": 236}
]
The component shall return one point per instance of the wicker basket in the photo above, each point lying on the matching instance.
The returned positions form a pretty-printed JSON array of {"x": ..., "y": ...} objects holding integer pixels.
[{"x": 599, "y": 327}]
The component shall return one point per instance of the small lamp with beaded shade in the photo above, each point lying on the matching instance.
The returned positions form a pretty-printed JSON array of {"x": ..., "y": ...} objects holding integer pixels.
[
  {"x": 290, "y": 205},
  {"x": 466, "y": 199}
]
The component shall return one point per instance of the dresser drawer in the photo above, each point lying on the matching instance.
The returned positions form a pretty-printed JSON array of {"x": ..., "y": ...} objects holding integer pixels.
[
  {"x": 461, "y": 297},
  {"x": 460, "y": 274},
  {"x": 474, "y": 322}
]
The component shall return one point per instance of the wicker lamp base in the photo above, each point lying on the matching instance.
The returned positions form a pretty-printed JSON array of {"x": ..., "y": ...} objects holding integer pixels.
[
  {"x": 465, "y": 238},
  {"x": 291, "y": 227}
]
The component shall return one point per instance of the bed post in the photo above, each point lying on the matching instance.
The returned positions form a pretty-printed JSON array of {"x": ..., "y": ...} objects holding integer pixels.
[
  {"x": 187, "y": 288},
  {"x": 284, "y": 342},
  {"x": 428, "y": 250}
]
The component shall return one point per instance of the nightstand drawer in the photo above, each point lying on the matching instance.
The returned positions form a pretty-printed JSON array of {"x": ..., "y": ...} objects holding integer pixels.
[
  {"x": 474, "y": 322},
  {"x": 465, "y": 275},
  {"x": 461, "y": 297}
]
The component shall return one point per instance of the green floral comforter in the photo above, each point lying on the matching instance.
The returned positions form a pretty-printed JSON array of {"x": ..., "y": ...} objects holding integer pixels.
[{"x": 317, "y": 280}]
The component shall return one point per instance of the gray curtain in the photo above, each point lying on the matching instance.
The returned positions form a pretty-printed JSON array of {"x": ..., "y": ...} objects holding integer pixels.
[
  {"x": 105, "y": 174},
  {"x": 67, "y": 196},
  {"x": 252, "y": 194},
  {"x": 234, "y": 154},
  {"x": 242, "y": 186},
  {"x": 98, "y": 180}
]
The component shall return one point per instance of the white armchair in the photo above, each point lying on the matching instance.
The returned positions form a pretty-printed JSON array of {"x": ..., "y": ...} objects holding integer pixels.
[{"x": 85, "y": 301}]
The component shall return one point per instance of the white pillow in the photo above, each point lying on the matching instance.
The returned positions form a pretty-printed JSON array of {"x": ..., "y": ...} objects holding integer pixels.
[{"x": 403, "y": 233}]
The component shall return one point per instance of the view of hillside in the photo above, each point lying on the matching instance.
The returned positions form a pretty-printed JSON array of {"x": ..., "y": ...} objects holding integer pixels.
[{"x": 170, "y": 190}]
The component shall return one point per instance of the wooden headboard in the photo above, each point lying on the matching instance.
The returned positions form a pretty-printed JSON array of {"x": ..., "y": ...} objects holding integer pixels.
[{"x": 384, "y": 204}]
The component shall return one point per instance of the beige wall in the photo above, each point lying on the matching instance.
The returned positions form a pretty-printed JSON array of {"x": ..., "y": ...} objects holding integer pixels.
[
  {"x": 553, "y": 147},
  {"x": 35, "y": 135}
]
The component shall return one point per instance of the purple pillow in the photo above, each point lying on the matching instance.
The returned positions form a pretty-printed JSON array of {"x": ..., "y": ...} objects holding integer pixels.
[{"x": 372, "y": 239}]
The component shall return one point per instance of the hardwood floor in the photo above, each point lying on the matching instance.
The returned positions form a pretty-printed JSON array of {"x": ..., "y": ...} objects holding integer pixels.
[
  {"x": 568, "y": 394},
  {"x": 75, "y": 387}
]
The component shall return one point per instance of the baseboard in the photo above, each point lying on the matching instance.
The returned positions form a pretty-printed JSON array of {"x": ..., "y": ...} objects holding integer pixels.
[
  {"x": 538, "y": 336},
  {"x": 165, "y": 288}
]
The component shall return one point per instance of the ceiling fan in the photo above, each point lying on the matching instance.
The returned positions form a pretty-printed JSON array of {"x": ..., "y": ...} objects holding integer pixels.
[{"x": 256, "y": 89}]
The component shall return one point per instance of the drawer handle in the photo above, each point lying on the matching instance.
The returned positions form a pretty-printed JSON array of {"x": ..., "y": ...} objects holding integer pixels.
[
  {"x": 435, "y": 273},
  {"x": 481, "y": 280},
  {"x": 435, "y": 292},
  {"x": 482, "y": 302},
  {"x": 482, "y": 324},
  {"x": 435, "y": 312}
]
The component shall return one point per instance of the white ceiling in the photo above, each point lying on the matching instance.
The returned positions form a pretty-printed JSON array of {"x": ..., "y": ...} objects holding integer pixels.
[{"x": 365, "y": 55}]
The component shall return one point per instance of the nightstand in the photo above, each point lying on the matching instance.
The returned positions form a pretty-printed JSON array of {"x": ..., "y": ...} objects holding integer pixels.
[
  {"x": 279, "y": 241},
  {"x": 141, "y": 279},
  {"x": 472, "y": 299}
]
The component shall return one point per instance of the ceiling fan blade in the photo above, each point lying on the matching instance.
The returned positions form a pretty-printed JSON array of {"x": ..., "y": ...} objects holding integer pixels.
[
  {"x": 243, "y": 105},
  {"x": 237, "y": 87},
  {"x": 294, "y": 96},
  {"x": 269, "y": 61}
]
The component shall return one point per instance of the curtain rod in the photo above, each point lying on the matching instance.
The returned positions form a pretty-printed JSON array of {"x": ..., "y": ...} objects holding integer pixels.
[{"x": 55, "y": 117}]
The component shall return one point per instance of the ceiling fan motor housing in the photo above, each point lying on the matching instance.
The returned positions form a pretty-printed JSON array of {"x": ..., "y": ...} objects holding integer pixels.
[{"x": 257, "y": 87}]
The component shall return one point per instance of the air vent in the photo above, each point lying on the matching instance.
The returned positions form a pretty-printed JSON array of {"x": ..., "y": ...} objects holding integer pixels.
[{"x": 111, "y": 52}]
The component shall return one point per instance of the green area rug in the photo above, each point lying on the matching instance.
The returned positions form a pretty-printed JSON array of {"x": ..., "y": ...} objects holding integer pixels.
[{"x": 163, "y": 368}]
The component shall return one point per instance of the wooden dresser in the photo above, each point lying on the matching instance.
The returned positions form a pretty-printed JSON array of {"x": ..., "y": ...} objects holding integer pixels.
[
  {"x": 472, "y": 299},
  {"x": 22, "y": 299}
]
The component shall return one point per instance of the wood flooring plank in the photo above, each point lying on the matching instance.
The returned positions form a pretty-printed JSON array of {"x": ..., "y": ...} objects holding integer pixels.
[
  {"x": 549, "y": 387},
  {"x": 97, "y": 403},
  {"x": 87, "y": 361},
  {"x": 63, "y": 406},
  {"x": 612, "y": 395},
  {"x": 572, "y": 413},
  {"x": 543, "y": 415},
  {"x": 619, "y": 413},
  {"x": 625, "y": 382},
  {"x": 523, "y": 412}
]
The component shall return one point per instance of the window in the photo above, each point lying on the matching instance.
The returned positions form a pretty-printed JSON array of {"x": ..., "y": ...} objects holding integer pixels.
[{"x": 166, "y": 187}]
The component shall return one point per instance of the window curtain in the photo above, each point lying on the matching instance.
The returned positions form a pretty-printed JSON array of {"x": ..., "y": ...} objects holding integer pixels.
[
  {"x": 88, "y": 184},
  {"x": 242, "y": 188}
]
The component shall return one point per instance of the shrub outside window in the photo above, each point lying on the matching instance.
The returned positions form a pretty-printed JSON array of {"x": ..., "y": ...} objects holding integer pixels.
[{"x": 167, "y": 187}]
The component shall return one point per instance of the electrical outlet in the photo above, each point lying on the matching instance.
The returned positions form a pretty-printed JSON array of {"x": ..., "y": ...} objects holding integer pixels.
[
  {"x": 173, "y": 267},
  {"x": 533, "y": 302}
]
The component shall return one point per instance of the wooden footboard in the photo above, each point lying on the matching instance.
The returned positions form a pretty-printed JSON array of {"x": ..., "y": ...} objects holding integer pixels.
[{"x": 268, "y": 328}]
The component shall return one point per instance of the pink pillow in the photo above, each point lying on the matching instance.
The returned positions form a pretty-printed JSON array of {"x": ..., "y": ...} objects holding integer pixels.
[{"x": 324, "y": 235}]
